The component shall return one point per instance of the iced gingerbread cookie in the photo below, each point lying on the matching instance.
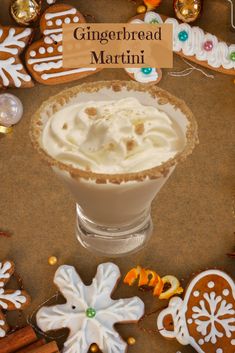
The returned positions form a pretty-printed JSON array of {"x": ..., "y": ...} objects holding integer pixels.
[
  {"x": 145, "y": 74},
  {"x": 10, "y": 299},
  {"x": 89, "y": 312},
  {"x": 205, "y": 318},
  {"x": 194, "y": 44},
  {"x": 13, "y": 40},
  {"x": 44, "y": 57}
]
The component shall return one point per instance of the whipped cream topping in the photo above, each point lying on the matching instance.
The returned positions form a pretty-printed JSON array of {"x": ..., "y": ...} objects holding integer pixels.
[{"x": 112, "y": 137}]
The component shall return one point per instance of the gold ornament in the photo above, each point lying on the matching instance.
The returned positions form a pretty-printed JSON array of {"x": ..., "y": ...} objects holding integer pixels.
[
  {"x": 5, "y": 129},
  {"x": 25, "y": 12},
  {"x": 141, "y": 9},
  {"x": 94, "y": 348},
  {"x": 52, "y": 260},
  {"x": 131, "y": 341},
  {"x": 187, "y": 10}
]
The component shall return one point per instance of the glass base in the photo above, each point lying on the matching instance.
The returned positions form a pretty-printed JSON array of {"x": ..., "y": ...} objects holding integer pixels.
[{"x": 113, "y": 241}]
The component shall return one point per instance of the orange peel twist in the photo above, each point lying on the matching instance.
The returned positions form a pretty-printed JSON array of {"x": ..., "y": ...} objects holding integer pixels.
[{"x": 151, "y": 279}]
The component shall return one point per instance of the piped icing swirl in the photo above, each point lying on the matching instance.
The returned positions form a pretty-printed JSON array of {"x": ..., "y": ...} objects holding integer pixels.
[{"x": 112, "y": 136}]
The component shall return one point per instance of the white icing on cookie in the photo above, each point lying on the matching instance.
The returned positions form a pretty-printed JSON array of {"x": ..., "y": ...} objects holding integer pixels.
[
  {"x": 51, "y": 15},
  {"x": 141, "y": 77},
  {"x": 12, "y": 44},
  {"x": 4, "y": 268},
  {"x": 89, "y": 312},
  {"x": 53, "y": 37},
  {"x": 211, "y": 284},
  {"x": 42, "y": 50},
  {"x": 213, "y": 315},
  {"x": 225, "y": 292},
  {"x": 65, "y": 73},
  {"x": 32, "y": 53},
  {"x": 218, "y": 56}
]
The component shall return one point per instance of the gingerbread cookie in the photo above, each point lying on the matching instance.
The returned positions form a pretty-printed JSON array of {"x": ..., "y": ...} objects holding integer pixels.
[
  {"x": 194, "y": 44},
  {"x": 89, "y": 312},
  {"x": 9, "y": 299},
  {"x": 12, "y": 42},
  {"x": 44, "y": 57},
  {"x": 205, "y": 318},
  {"x": 145, "y": 74}
]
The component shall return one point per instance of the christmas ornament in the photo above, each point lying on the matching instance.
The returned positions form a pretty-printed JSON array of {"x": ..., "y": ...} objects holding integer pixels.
[
  {"x": 89, "y": 312},
  {"x": 194, "y": 44},
  {"x": 11, "y": 111},
  {"x": 12, "y": 41},
  {"x": 25, "y": 12},
  {"x": 131, "y": 341},
  {"x": 150, "y": 279},
  {"x": 141, "y": 9},
  {"x": 94, "y": 348},
  {"x": 187, "y": 10},
  {"x": 52, "y": 260},
  {"x": 152, "y": 4}
]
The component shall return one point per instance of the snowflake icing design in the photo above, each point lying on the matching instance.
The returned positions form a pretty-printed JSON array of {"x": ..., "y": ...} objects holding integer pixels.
[
  {"x": 220, "y": 315},
  {"x": 9, "y": 299},
  {"x": 89, "y": 312},
  {"x": 12, "y": 42}
]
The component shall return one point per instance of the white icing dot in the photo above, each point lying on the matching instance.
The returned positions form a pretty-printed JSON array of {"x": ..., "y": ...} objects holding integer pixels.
[
  {"x": 190, "y": 321},
  {"x": 48, "y": 40},
  {"x": 50, "y": 49},
  {"x": 60, "y": 48},
  {"x": 75, "y": 19},
  {"x": 219, "y": 350},
  {"x": 32, "y": 53},
  {"x": 211, "y": 284},
  {"x": 67, "y": 20},
  {"x": 58, "y": 22},
  {"x": 196, "y": 293},
  {"x": 201, "y": 342},
  {"x": 42, "y": 50},
  {"x": 49, "y": 23},
  {"x": 225, "y": 292},
  {"x": 233, "y": 342}
]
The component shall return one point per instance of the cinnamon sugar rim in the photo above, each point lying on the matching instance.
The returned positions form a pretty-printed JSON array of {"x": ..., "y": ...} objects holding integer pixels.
[{"x": 56, "y": 102}]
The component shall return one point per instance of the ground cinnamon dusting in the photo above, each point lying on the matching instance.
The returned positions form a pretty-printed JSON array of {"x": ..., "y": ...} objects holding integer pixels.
[
  {"x": 91, "y": 111},
  {"x": 130, "y": 145},
  {"x": 139, "y": 128}
]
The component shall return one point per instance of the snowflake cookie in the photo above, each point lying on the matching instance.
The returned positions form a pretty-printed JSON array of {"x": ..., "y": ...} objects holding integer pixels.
[
  {"x": 205, "y": 318},
  {"x": 89, "y": 312},
  {"x": 12, "y": 42},
  {"x": 10, "y": 299}
]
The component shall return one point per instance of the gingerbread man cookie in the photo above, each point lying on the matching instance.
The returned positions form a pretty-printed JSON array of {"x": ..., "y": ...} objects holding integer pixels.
[
  {"x": 205, "y": 318},
  {"x": 194, "y": 44},
  {"x": 9, "y": 299},
  {"x": 44, "y": 58},
  {"x": 89, "y": 312},
  {"x": 12, "y": 42}
]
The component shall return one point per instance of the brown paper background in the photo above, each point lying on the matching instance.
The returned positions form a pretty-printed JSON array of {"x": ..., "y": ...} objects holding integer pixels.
[{"x": 192, "y": 214}]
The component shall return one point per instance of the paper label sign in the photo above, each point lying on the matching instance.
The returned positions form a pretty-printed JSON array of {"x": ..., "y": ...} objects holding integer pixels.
[{"x": 115, "y": 45}]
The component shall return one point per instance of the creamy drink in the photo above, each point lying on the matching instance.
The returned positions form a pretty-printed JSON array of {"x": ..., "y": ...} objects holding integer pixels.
[{"x": 114, "y": 144}]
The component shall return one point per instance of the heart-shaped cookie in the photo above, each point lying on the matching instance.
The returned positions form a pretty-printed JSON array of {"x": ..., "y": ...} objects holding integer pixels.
[
  {"x": 205, "y": 318},
  {"x": 44, "y": 57}
]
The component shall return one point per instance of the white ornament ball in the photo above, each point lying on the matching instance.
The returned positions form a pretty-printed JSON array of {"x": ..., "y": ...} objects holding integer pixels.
[{"x": 11, "y": 109}]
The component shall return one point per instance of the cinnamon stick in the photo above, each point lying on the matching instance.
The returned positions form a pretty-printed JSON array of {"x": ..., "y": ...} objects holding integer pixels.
[
  {"x": 17, "y": 340},
  {"x": 47, "y": 348},
  {"x": 32, "y": 346}
]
